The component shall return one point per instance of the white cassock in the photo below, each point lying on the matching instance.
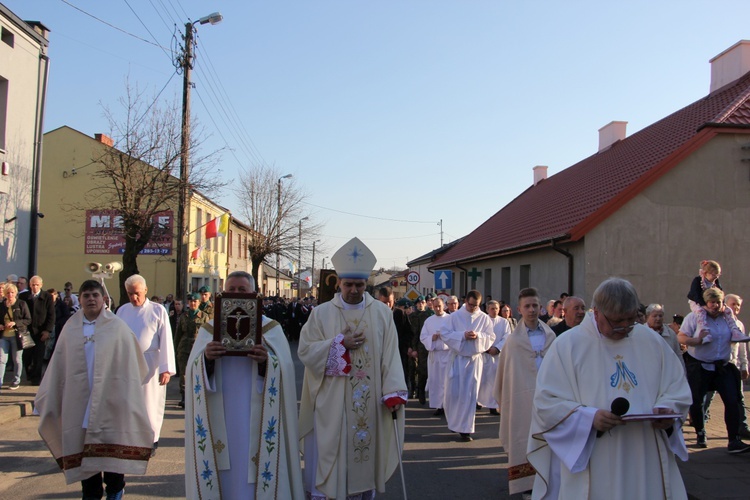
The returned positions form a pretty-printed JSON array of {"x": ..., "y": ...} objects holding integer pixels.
[
  {"x": 465, "y": 369},
  {"x": 150, "y": 323},
  {"x": 584, "y": 371},
  {"x": 486, "y": 396},
  {"x": 438, "y": 358}
]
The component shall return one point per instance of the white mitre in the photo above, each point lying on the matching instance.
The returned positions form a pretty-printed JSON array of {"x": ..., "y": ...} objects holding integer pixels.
[{"x": 354, "y": 260}]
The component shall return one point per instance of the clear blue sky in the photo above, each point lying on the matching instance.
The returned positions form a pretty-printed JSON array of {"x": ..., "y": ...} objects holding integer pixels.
[{"x": 413, "y": 110}]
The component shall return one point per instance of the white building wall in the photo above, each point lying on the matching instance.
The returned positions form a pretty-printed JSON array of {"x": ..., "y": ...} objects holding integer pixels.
[{"x": 20, "y": 73}]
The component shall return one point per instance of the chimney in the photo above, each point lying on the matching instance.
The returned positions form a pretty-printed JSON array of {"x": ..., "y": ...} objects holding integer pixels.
[
  {"x": 104, "y": 139},
  {"x": 611, "y": 133},
  {"x": 730, "y": 64},
  {"x": 540, "y": 173}
]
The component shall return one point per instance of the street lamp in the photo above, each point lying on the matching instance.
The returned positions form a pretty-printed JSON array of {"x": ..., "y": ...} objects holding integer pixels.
[
  {"x": 278, "y": 233},
  {"x": 312, "y": 271},
  {"x": 299, "y": 262},
  {"x": 185, "y": 62}
]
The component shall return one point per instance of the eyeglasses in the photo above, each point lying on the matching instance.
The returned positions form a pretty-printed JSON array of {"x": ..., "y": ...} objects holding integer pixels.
[
  {"x": 475, "y": 304},
  {"x": 621, "y": 329}
]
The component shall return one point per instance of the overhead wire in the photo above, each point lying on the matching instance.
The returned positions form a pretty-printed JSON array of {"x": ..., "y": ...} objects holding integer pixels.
[
  {"x": 217, "y": 128},
  {"x": 212, "y": 80},
  {"x": 372, "y": 216},
  {"x": 214, "y": 89},
  {"x": 233, "y": 109},
  {"x": 154, "y": 101},
  {"x": 111, "y": 25},
  {"x": 368, "y": 238},
  {"x": 221, "y": 100},
  {"x": 166, "y": 24},
  {"x": 170, "y": 56},
  {"x": 220, "y": 107}
]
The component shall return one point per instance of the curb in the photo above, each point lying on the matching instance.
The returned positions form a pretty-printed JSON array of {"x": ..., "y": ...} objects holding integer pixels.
[{"x": 13, "y": 411}]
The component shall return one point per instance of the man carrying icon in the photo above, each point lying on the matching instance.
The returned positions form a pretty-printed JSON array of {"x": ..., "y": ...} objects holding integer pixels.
[
  {"x": 578, "y": 445},
  {"x": 241, "y": 436}
]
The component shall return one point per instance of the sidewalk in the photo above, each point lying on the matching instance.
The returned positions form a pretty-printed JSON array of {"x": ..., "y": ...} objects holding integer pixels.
[{"x": 712, "y": 472}]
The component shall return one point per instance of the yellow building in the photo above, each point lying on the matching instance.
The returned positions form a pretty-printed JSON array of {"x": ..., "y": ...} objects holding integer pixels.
[{"x": 72, "y": 234}]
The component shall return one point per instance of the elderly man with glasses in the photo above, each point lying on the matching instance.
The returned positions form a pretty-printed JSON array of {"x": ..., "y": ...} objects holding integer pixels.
[{"x": 599, "y": 375}]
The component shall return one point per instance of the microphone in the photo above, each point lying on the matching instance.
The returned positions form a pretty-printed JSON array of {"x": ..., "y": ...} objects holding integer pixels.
[{"x": 619, "y": 407}]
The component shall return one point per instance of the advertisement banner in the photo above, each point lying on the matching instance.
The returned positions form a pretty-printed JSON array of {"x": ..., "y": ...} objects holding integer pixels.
[{"x": 105, "y": 235}]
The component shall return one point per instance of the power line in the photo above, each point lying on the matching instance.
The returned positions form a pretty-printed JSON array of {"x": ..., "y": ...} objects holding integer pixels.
[
  {"x": 112, "y": 25},
  {"x": 233, "y": 109},
  {"x": 385, "y": 239},
  {"x": 166, "y": 25},
  {"x": 217, "y": 128},
  {"x": 154, "y": 101},
  {"x": 146, "y": 27},
  {"x": 372, "y": 216},
  {"x": 219, "y": 105}
]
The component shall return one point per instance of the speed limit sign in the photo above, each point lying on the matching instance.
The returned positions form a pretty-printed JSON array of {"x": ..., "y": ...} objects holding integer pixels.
[{"x": 412, "y": 278}]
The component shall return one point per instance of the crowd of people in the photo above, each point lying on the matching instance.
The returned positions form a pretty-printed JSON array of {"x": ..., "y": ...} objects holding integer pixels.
[{"x": 563, "y": 380}]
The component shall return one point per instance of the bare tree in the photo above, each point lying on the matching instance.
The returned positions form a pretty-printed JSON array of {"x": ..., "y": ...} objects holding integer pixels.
[
  {"x": 276, "y": 232},
  {"x": 139, "y": 175}
]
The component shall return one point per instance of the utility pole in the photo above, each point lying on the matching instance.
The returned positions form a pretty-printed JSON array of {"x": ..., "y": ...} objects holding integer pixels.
[
  {"x": 278, "y": 233},
  {"x": 299, "y": 261},
  {"x": 312, "y": 271},
  {"x": 185, "y": 63}
]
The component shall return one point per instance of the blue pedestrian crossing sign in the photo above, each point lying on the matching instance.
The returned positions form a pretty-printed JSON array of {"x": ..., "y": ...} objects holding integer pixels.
[{"x": 443, "y": 279}]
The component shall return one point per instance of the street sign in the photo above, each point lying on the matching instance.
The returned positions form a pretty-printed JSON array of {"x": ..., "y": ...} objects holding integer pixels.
[
  {"x": 445, "y": 298},
  {"x": 412, "y": 278},
  {"x": 412, "y": 294},
  {"x": 444, "y": 279}
]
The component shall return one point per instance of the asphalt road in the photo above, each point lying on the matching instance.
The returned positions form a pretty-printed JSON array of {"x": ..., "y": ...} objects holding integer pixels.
[{"x": 436, "y": 463}]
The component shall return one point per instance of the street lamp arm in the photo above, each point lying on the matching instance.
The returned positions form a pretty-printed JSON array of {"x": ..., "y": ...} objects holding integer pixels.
[{"x": 213, "y": 18}]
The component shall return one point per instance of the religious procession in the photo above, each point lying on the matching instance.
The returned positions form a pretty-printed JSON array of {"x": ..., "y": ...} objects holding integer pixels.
[{"x": 565, "y": 420}]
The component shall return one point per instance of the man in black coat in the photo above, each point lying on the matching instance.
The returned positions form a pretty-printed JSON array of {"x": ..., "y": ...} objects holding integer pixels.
[{"x": 42, "y": 310}]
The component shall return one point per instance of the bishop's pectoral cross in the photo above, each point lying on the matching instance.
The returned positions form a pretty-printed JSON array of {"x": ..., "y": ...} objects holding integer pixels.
[
  {"x": 238, "y": 317},
  {"x": 474, "y": 274}
]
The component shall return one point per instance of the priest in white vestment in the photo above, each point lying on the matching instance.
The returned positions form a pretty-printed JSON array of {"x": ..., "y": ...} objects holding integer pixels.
[
  {"x": 515, "y": 383},
  {"x": 353, "y": 384},
  {"x": 150, "y": 323},
  {"x": 578, "y": 443},
  {"x": 490, "y": 358},
  {"x": 471, "y": 334},
  {"x": 438, "y": 358},
  {"x": 241, "y": 438},
  {"x": 92, "y": 415}
]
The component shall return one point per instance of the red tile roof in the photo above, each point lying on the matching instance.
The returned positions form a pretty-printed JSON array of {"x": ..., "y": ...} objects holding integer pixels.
[{"x": 570, "y": 203}]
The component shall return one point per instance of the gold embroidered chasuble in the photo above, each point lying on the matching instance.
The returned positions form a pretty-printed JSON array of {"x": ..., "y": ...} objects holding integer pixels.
[{"x": 355, "y": 442}]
